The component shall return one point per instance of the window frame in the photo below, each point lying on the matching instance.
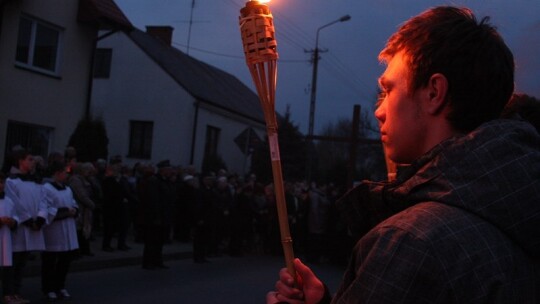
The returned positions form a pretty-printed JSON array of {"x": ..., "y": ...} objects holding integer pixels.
[
  {"x": 32, "y": 134},
  {"x": 29, "y": 63},
  {"x": 144, "y": 143},
  {"x": 212, "y": 138},
  {"x": 102, "y": 64}
]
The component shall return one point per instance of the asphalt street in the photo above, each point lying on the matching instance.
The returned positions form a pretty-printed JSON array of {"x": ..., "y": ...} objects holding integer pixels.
[{"x": 224, "y": 280}]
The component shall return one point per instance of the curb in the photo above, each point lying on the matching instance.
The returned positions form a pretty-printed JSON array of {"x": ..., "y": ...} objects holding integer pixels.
[{"x": 33, "y": 268}]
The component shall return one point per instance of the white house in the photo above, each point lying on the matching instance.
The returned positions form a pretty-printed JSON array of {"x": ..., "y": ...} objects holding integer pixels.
[
  {"x": 159, "y": 103},
  {"x": 46, "y": 52}
]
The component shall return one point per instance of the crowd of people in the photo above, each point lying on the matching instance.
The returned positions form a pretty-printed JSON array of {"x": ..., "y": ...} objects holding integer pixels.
[
  {"x": 460, "y": 224},
  {"x": 58, "y": 206}
]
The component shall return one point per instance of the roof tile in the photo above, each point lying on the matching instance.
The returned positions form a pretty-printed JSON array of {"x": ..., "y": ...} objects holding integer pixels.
[{"x": 205, "y": 82}]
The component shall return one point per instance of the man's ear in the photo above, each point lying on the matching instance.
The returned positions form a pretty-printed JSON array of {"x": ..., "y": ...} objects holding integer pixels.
[{"x": 436, "y": 90}]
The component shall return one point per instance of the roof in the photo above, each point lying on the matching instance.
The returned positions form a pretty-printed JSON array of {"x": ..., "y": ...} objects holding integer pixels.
[
  {"x": 204, "y": 82},
  {"x": 103, "y": 13}
]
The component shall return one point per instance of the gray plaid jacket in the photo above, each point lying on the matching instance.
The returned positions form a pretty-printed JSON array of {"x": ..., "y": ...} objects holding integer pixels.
[{"x": 460, "y": 225}]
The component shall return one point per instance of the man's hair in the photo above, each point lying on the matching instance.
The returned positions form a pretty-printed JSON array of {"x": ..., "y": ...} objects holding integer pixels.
[
  {"x": 19, "y": 155},
  {"x": 56, "y": 166},
  {"x": 472, "y": 56}
]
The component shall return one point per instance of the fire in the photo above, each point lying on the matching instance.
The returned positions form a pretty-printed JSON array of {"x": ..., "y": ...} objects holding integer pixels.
[{"x": 261, "y": 1}]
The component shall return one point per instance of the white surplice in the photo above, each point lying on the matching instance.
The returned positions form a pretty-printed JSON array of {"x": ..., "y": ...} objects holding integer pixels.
[
  {"x": 60, "y": 235},
  {"x": 27, "y": 197},
  {"x": 6, "y": 210}
]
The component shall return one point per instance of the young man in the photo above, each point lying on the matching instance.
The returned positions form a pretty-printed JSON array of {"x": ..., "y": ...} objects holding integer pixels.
[
  {"x": 8, "y": 222},
  {"x": 461, "y": 224},
  {"x": 60, "y": 235},
  {"x": 157, "y": 196},
  {"x": 31, "y": 212}
]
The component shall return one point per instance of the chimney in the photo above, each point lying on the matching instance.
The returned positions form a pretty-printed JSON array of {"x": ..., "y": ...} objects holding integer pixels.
[{"x": 163, "y": 33}]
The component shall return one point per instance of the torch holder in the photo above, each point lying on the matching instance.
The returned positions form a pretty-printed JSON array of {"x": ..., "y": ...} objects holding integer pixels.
[{"x": 259, "y": 43}]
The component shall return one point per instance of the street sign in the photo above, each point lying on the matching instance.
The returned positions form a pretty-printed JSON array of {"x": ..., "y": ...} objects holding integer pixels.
[{"x": 247, "y": 141}]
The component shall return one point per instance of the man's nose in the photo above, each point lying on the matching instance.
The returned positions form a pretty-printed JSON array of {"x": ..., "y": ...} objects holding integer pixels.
[{"x": 380, "y": 113}]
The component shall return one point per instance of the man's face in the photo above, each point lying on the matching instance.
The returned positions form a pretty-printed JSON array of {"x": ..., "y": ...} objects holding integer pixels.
[
  {"x": 222, "y": 185},
  {"x": 62, "y": 176},
  {"x": 399, "y": 113},
  {"x": 27, "y": 164},
  {"x": 165, "y": 172}
]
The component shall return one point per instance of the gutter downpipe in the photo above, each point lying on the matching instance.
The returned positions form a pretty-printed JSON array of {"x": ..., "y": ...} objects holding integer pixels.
[
  {"x": 194, "y": 132},
  {"x": 91, "y": 74},
  {"x": 2, "y": 4}
]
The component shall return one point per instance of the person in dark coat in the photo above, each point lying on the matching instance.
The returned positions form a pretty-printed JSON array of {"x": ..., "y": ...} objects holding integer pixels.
[
  {"x": 224, "y": 205},
  {"x": 204, "y": 216},
  {"x": 186, "y": 188},
  {"x": 461, "y": 221},
  {"x": 157, "y": 197},
  {"x": 242, "y": 222},
  {"x": 115, "y": 209}
]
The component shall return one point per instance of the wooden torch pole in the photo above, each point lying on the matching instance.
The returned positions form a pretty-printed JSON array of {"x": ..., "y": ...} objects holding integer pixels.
[{"x": 257, "y": 29}]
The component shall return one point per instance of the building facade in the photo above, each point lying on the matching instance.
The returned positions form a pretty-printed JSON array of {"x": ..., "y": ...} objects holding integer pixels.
[
  {"x": 159, "y": 103},
  {"x": 46, "y": 53}
]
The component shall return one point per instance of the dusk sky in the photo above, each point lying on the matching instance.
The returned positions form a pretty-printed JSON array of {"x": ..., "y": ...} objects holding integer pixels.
[{"x": 349, "y": 69}]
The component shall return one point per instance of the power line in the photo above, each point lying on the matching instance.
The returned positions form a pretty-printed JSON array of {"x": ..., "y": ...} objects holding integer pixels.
[
  {"x": 349, "y": 77},
  {"x": 299, "y": 37},
  {"x": 287, "y": 30},
  {"x": 344, "y": 80},
  {"x": 209, "y": 52},
  {"x": 234, "y": 56},
  {"x": 295, "y": 36}
]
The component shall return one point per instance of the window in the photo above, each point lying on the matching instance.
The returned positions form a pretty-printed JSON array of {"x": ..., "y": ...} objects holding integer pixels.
[
  {"x": 102, "y": 63},
  {"x": 212, "y": 140},
  {"x": 36, "y": 139},
  {"x": 38, "y": 46},
  {"x": 140, "y": 139}
]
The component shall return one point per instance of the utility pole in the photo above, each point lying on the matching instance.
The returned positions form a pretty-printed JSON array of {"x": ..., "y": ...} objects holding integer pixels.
[
  {"x": 353, "y": 146},
  {"x": 314, "y": 93}
]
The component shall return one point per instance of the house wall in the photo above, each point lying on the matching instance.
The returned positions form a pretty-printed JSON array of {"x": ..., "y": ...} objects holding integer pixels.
[
  {"x": 30, "y": 97},
  {"x": 231, "y": 126},
  {"x": 138, "y": 89}
]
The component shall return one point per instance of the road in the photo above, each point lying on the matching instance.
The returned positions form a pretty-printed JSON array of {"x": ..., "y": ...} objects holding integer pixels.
[{"x": 224, "y": 280}]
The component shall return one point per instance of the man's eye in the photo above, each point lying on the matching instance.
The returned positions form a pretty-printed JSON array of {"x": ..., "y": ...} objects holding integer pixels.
[{"x": 380, "y": 98}]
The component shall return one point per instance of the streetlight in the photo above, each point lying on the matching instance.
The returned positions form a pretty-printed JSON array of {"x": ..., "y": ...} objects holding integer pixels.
[{"x": 314, "y": 88}]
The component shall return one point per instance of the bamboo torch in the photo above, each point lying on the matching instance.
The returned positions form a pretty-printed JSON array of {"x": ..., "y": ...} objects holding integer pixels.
[{"x": 257, "y": 29}]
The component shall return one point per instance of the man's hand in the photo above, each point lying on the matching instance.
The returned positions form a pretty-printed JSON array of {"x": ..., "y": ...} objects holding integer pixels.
[
  {"x": 29, "y": 223},
  {"x": 38, "y": 223},
  {"x": 5, "y": 220},
  {"x": 309, "y": 289}
]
